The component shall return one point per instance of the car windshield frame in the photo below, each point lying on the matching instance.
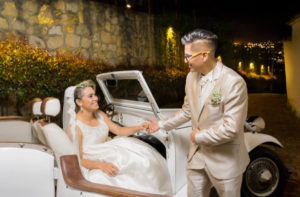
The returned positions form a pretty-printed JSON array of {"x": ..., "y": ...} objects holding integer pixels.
[{"x": 149, "y": 105}]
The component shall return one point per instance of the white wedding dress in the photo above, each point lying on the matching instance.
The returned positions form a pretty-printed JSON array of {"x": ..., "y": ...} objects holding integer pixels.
[{"x": 141, "y": 167}]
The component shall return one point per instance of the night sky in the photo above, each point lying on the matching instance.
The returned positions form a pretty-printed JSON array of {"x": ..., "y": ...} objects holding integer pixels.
[
  {"x": 247, "y": 20},
  {"x": 257, "y": 21}
]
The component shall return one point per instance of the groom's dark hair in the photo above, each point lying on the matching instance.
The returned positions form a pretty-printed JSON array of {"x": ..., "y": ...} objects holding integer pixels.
[{"x": 200, "y": 34}]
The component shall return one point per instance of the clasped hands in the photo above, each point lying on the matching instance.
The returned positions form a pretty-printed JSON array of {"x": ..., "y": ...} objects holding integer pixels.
[{"x": 153, "y": 126}]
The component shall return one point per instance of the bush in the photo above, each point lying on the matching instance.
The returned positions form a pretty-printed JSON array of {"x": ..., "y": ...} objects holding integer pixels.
[{"x": 27, "y": 72}]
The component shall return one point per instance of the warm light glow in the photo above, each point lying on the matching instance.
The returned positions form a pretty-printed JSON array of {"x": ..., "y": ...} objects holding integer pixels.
[
  {"x": 172, "y": 46},
  {"x": 128, "y": 6},
  {"x": 237, "y": 43},
  {"x": 170, "y": 33},
  {"x": 219, "y": 58},
  {"x": 240, "y": 66},
  {"x": 251, "y": 66},
  {"x": 262, "y": 68},
  {"x": 269, "y": 69}
]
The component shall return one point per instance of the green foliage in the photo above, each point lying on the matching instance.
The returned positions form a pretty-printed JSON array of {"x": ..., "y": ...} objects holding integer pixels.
[{"x": 28, "y": 72}]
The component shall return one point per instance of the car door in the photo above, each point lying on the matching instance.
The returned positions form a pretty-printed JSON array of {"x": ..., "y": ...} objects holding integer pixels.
[{"x": 133, "y": 101}]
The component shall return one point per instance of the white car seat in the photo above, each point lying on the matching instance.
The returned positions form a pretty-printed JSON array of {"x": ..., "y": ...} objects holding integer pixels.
[
  {"x": 37, "y": 132},
  {"x": 55, "y": 137},
  {"x": 36, "y": 108}
]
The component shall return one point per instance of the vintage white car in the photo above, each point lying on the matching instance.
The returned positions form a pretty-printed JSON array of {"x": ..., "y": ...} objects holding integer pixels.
[{"x": 29, "y": 168}]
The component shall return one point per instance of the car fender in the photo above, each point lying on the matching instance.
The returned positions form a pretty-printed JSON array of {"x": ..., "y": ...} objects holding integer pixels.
[{"x": 252, "y": 140}]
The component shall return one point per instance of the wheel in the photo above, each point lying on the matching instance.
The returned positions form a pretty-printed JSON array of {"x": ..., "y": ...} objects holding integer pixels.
[{"x": 265, "y": 175}]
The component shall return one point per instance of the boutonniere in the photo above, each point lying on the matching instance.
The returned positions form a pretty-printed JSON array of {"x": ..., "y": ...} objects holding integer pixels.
[{"x": 216, "y": 97}]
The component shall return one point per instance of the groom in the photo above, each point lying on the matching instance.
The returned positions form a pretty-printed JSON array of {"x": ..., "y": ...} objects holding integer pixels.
[{"x": 216, "y": 101}]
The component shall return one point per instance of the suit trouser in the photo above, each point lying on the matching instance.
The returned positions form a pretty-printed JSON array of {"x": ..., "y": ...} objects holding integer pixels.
[{"x": 200, "y": 182}]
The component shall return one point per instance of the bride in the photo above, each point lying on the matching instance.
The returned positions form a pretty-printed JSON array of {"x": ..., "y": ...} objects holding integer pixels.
[{"x": 124, "y": 161}]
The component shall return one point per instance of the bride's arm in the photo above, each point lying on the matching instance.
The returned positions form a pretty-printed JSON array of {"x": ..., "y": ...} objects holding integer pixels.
[
  {"x": 108, "y": 168},
  {"x": 122, "y": 131}
]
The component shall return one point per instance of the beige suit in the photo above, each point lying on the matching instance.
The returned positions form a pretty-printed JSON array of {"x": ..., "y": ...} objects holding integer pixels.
[{"x": 220, "y": 144}]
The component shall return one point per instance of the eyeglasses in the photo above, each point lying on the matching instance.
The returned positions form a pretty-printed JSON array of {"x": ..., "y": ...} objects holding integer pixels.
[{"x": 187, "y": 57}]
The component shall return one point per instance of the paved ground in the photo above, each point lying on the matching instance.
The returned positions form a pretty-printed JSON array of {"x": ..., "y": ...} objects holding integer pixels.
[{"x": 282, "y": 124}]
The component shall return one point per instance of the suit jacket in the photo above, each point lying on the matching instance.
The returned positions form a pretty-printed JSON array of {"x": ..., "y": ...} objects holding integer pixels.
[{"x": 220, "y": 142}]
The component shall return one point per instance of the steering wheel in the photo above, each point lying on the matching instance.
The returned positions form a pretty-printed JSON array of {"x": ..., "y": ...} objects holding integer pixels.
[{"x": 109, "y": 109}]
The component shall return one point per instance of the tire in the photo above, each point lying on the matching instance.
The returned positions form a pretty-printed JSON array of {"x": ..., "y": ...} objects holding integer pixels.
[{"x": 265, "y": 175}]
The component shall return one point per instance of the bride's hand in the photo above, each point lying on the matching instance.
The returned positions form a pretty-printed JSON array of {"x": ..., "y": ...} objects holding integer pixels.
[
  {"x": 144, "y": 125},
  {"x": 109, "y": 169}
]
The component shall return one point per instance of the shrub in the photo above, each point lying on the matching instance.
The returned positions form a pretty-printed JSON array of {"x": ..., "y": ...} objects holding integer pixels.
[{"x": 27, "y": 72}]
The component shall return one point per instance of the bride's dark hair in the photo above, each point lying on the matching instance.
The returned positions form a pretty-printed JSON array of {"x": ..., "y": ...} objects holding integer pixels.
[{"x": 80, "y": 87}]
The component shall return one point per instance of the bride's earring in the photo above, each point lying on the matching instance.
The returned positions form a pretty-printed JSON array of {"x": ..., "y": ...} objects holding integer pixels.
[{"x": 80, "y": 108}]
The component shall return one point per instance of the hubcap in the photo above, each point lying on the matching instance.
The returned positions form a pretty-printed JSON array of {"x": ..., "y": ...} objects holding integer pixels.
[
  {"x": 265, "y": 176},
  {"x": 262, "y": 176}
]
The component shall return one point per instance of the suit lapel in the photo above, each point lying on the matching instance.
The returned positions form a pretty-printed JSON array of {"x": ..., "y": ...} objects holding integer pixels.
[
  {"x": 210, "y": 86},
  {"x": 195, "y": 87}
]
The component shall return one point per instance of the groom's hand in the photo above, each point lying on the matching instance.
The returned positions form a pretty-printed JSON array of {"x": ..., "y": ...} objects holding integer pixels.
[
  {"x": 153, "y": 125},
  {"x": 193, "y": 134}
]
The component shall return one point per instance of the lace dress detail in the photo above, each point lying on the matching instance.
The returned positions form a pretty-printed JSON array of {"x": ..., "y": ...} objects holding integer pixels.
[
  {"x": 93, "y": 135},
  {"x": 141, "y": 167}
]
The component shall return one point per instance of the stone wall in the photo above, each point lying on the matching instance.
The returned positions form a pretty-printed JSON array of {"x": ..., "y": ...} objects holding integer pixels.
[{"x": 98, "y": 31}]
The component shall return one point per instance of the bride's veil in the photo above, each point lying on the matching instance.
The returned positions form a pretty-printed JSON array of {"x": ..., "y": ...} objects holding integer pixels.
[
  {"x": 69, "y": 106},
  {"x": 69, "y": 116}
]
